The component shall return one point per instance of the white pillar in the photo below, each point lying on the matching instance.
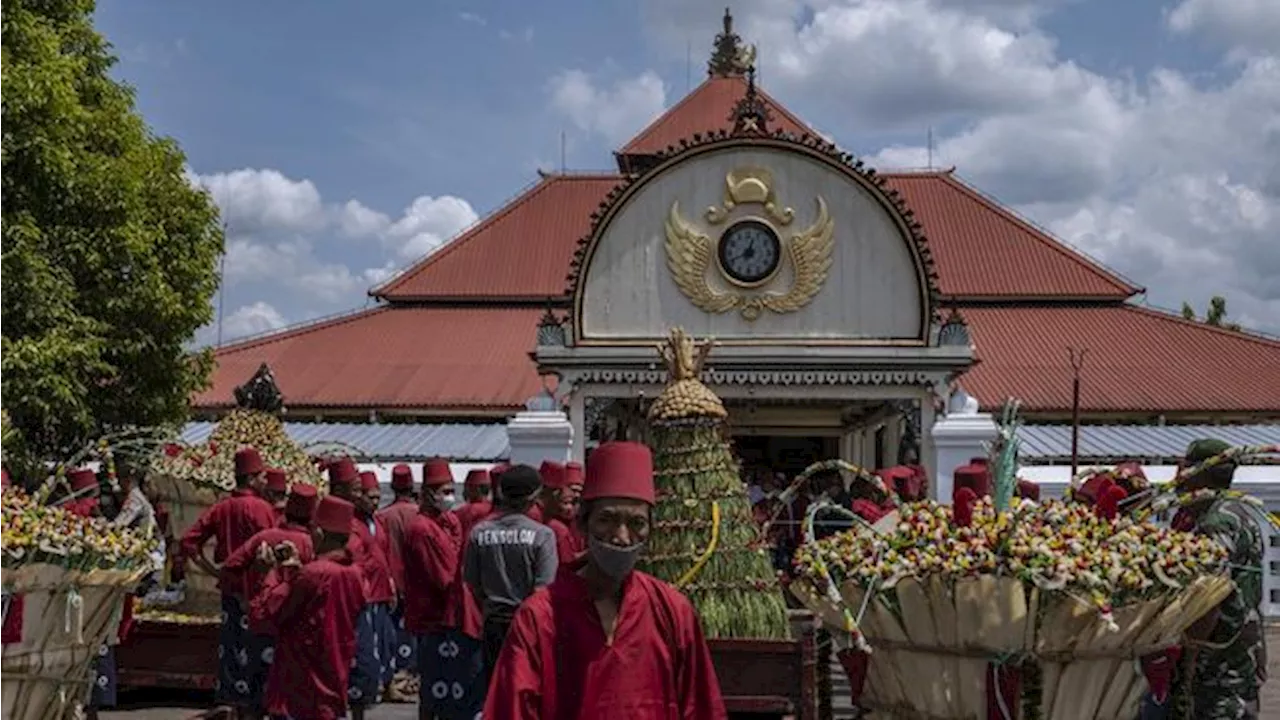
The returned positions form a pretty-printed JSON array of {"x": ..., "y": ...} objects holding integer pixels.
[
  {"x": 541, "y": 432},
  {"x": 959, "y": 436}
]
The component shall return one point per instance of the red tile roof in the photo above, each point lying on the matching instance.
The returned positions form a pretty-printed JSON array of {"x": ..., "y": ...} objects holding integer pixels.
[
  {"x": 984, "y": 250},
  {"x": 469, "y": 360},
  {"x": 393, "y": 357},
  {"x": 521, "y": 251},
  {"x": 708, "y": 107},
  {"x": 1138, "y": 360}
]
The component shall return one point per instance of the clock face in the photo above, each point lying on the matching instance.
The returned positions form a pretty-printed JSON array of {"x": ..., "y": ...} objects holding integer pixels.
[{"x": 749, "y": 252}]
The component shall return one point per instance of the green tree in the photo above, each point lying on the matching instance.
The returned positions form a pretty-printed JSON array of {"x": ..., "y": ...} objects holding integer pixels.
[
  {"x": 1215, "y": 315},
  {"x": 109, "y": 253}
]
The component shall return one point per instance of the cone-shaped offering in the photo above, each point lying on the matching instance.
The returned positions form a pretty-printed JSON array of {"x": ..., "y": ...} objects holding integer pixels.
[{"x": 704, "y": 538}]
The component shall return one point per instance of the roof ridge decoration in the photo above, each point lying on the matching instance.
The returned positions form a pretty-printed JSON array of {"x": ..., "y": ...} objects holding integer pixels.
[
  {"x": 745, "y": 132},
  {"x": 751, "y": 114},
  {"x": 260, "y": 392},
  {"x": 730, "y": 57}
]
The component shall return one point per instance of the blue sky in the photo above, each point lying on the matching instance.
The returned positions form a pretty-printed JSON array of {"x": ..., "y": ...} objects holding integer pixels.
[{"x": 343, "y": 139}]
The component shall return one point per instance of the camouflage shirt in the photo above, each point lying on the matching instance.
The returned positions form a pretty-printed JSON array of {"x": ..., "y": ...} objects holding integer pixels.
[{"x": 1232, "y": 665}]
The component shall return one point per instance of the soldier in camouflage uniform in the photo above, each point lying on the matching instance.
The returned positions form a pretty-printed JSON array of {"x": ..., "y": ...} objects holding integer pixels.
[{"x": 1228, "y": 646}]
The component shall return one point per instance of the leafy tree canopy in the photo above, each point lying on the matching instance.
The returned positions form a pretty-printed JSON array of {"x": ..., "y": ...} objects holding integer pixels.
[{"x": 110, "y": 254}]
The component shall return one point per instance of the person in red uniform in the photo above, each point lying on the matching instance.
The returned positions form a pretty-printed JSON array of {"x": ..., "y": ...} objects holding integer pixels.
[
  {"x": 85, "y": 493},
  {"x": 365, "y": 678},
  {"x": 560, "y": 509},
  {"x": 244, "y": 574},
  {"x": 449, "y": 661},
  {"x": 275, "y": 490},
  {"x": 605, "y": 640},
  {"x": 477, "y": 505},
  {"x": 230, "y": 523},
  {"x": 396, "y": 517},
  {"x": 382, "y": 596},
  {"x": 311, "y": 610}
]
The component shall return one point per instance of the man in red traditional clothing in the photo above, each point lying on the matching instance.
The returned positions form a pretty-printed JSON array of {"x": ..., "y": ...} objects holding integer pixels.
[
  {"x": 449, "y": 661},
  {"x": 275, "y": 490},
  {"x": 365, "y": 678},
  {"x": 244, "y": 575},
  {"x": 604, "y": 640},
  {"x": 312, "y": 610},
  {"x": 382, "y": 589},
  {"x": 475, "y": 491},
  {"x": 85, "y": 493},
  {"x": 396, "y": 517},
  {"x": 560, "y": 508},
  {"x": 231, "y": 522}
]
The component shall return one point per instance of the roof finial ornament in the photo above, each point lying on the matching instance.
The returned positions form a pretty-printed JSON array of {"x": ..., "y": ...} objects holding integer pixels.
[
  {"x": 750, "y": 114},
  {"x": 730, "y": 58}
]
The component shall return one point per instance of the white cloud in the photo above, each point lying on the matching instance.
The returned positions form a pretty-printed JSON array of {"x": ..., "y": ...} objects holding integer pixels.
[
  {"x": 1174, "y": 180},
  {"x": 252, "y": 319},
  {"x": 300, "y": 257},
  {"x": 1244, "y": 26},
  {"x": 617, "y": 112}
]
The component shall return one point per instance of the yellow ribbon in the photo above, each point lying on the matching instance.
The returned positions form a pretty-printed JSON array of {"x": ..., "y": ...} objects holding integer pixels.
[{"x": 692, "y": 573}]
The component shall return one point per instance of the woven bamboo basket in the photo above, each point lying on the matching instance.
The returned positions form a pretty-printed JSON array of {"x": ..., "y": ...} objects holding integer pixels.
[
  {"x": 930, "y": 660},
  {"x": 186, "y": 502},
  {"x": 67, "y": 616}
]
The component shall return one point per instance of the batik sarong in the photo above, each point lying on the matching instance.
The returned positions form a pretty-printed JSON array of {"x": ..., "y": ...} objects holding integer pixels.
[
  {"x": 386, "y": 638},
  {"x": 103, "y": 692},
  {"x": 366, "y": 667},
  {"x": 452, "y": 669},
  {"x": 243, "y": 658}
]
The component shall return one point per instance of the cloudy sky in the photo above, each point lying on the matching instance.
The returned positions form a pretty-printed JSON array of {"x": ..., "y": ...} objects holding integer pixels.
[{"x": 345, "y": 140}]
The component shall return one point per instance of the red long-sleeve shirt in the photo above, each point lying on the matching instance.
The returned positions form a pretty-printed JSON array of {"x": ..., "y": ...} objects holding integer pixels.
[
  {"x": 431, "y": 553},
  {"x": 397, "y": 517},
  {"x": 373, "y": 558},
  {"x": 240, "y": 575},
  {"x": 557, "y": 663},
  {"x": 230, "y": 522},
  {"x": 312, "y": 612}
]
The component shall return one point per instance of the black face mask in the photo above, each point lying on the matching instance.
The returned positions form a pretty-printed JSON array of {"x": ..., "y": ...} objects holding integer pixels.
[{"x": 615, "y": 562}]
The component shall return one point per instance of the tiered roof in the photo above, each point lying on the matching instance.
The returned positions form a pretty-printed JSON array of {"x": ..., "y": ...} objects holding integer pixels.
[{"x": 455, "y": 334}]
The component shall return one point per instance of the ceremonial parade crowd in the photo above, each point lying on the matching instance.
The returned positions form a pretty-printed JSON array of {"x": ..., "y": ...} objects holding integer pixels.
[{"x": 521, "y": 600}]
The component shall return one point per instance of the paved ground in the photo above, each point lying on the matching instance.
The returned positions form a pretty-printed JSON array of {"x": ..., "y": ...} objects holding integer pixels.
[{"x": 175, "y": 707}]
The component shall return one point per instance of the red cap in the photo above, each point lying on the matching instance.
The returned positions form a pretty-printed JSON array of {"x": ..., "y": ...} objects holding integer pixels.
[
  {"x": 302, "y": 501},
  {"x": 1094, "y": 488},
  {"x": 983, "y": 461},
  {"x": 552, "y": 474},
  {"x": 573, "y": 474},
  {"x": 82, "y": 479},
  {"x": 277, "y": 481},
  {"x": 334, "y": 515},
  {"x": 436, "y": 472},
  {"x": 478, "y": 477},
  {"x": 343, "y": 471},
  {"x": 620, "y": 470},
  {"x": 906, "y": 482},
  {"x": 401, "y": 477},
  {"x": 975, "y": 477},
  {"x": 368, "y": 480},
  {"x": 248, "y": 462},
  {"x": 1028, "y": 490}
]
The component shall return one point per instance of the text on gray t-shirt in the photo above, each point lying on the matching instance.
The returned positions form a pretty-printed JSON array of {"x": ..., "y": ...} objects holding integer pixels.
[{"x": 507, "y": 558}]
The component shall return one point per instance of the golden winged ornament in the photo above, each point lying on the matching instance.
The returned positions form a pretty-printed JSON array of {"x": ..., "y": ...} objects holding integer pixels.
[{"x": 690, "y": 254}]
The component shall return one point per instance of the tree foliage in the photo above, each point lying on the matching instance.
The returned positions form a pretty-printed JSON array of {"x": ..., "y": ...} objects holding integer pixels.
[
  {"x": 109, "y": 252},
  {"x": 1215, "y": 315}
]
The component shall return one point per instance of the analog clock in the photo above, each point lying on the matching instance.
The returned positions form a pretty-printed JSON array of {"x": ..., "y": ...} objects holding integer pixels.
[{"x": 749, "y": 252}]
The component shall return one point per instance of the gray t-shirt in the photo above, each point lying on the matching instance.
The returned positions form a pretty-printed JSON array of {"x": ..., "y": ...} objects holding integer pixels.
[{"x": 507, "y": 558}]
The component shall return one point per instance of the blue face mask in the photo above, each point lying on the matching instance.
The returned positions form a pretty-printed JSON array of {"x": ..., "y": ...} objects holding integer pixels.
[{"x": 615, "y": 562}]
